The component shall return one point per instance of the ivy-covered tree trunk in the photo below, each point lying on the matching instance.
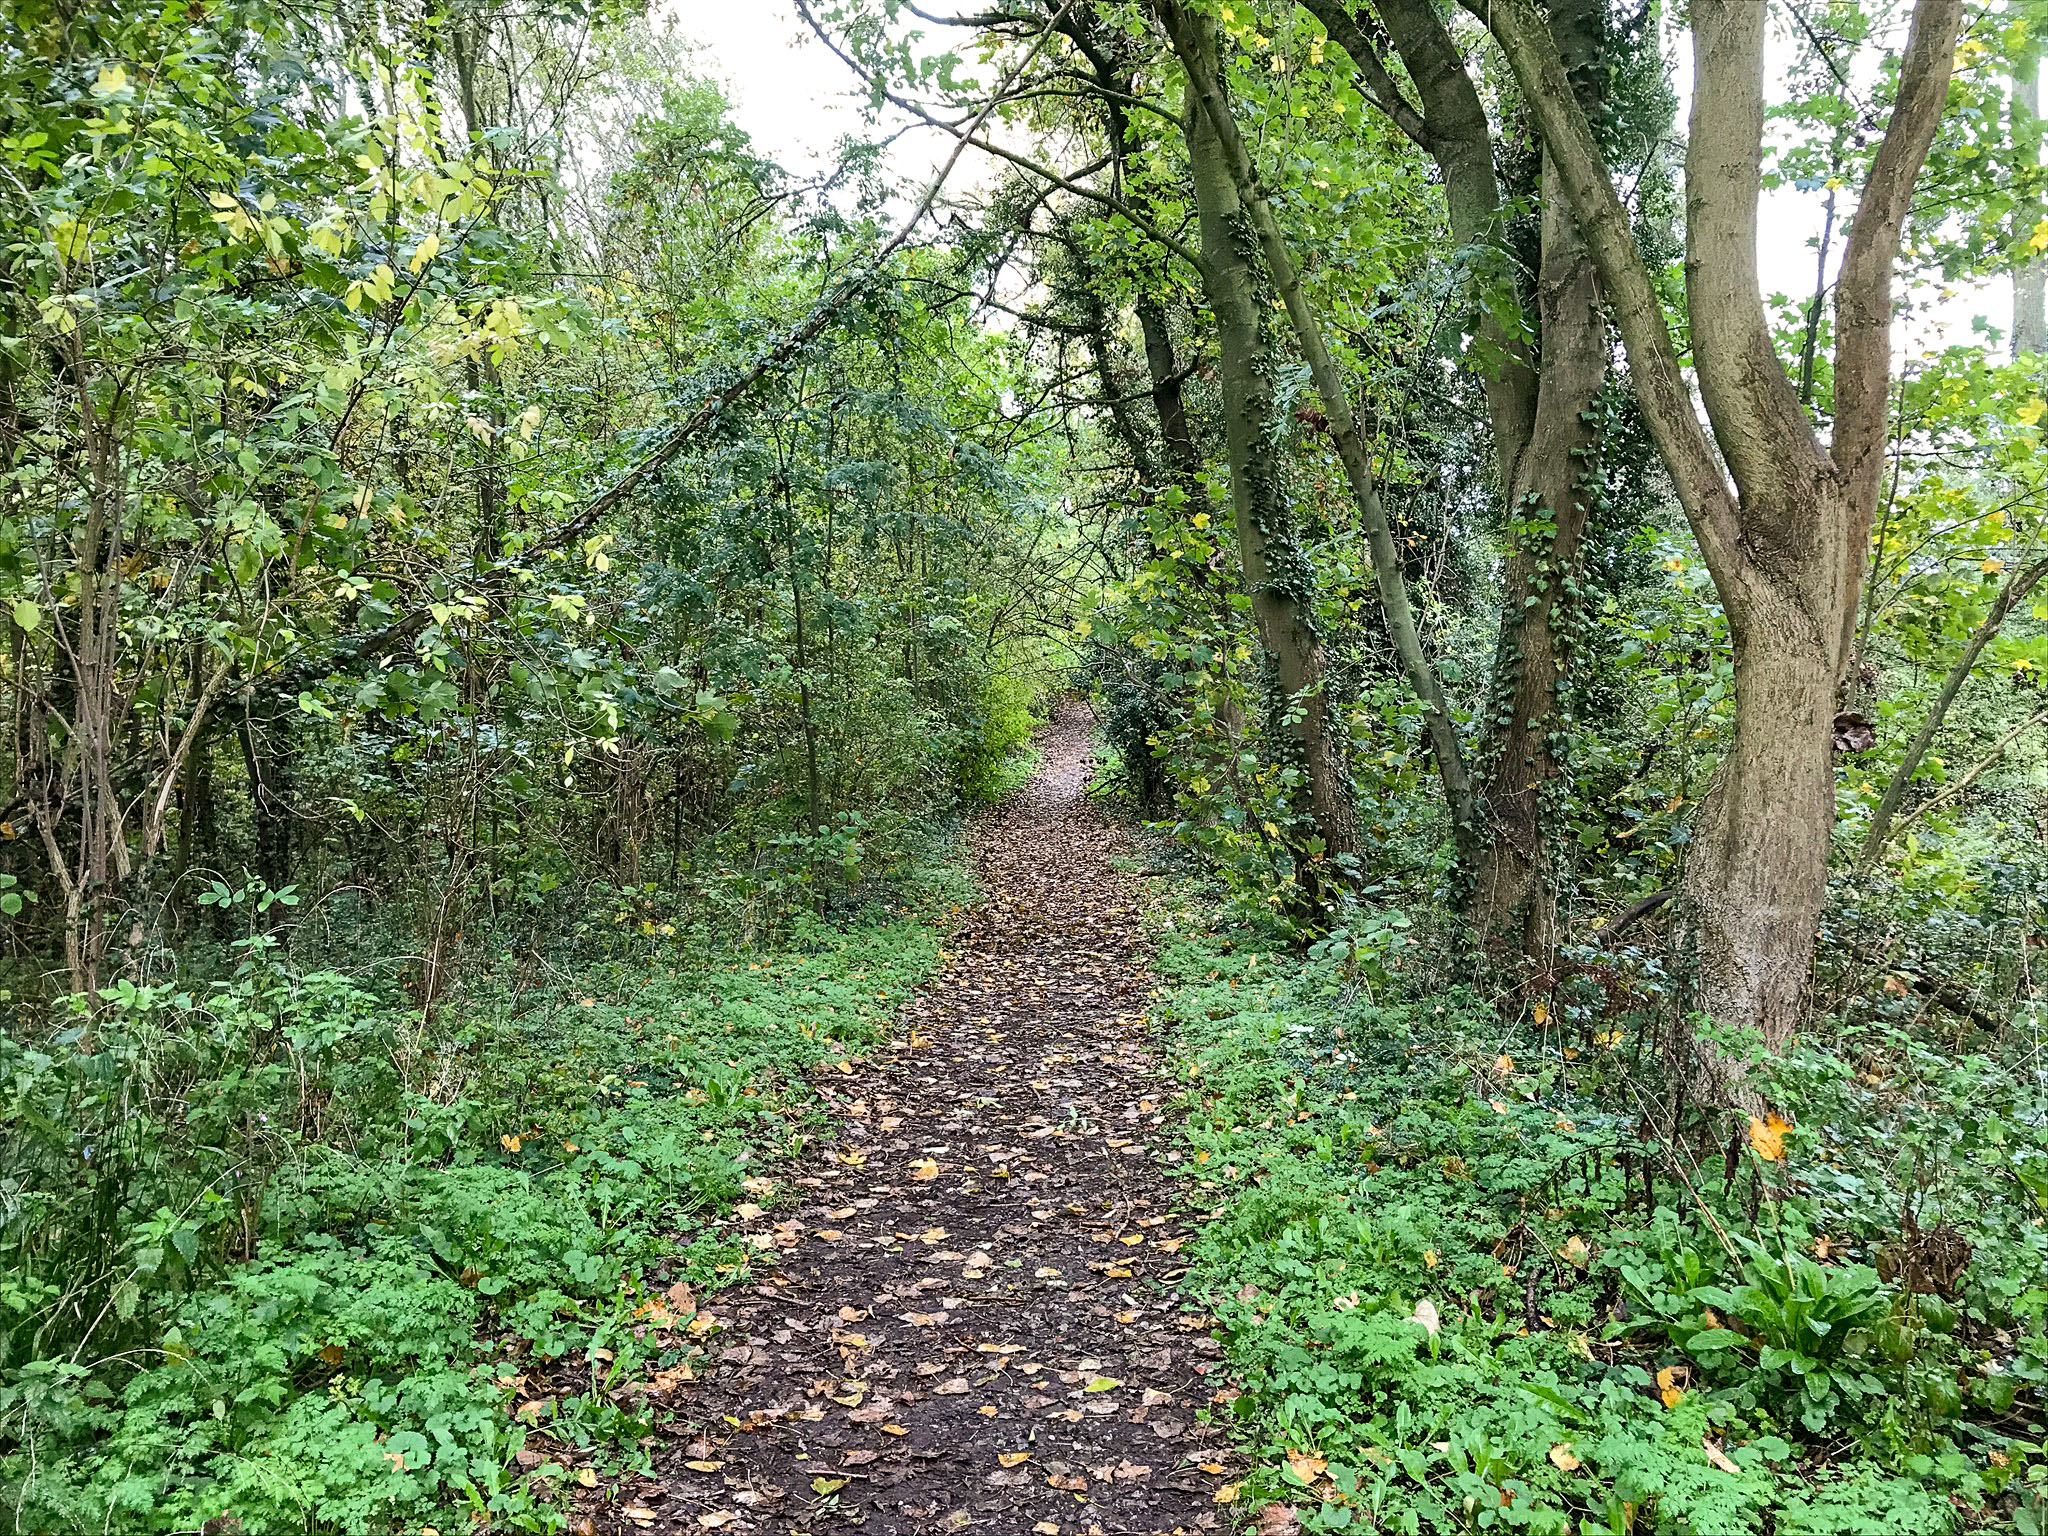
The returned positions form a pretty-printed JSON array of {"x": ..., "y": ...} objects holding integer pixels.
[
  {"x": 1276, "y": 574},
  {"x": 1540, "y": 389},
  {"x": 1549, "y": 499},
  {"x": 1230, "y": 161}
]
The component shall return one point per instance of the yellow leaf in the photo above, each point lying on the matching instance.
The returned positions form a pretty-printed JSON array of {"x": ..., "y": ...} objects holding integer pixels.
[
  {"x": 2037, "y": 242},
  {"x": 1992, "y": 567},
  {"x": 1102, "y": 1384},
  {"x": 1767, "y": 1137},
  {"x": 1227, "y": 1494},
  {"x": 1506, "y": 1064},
  {"x": 1013, "y": 1458},
  {"x": 1540, "y": 1013},
  {"x": 112, "y": 80},
  {"x": 924, "y": 1168},
  {"x": 894, "y": 1429},
  {"x": 1305, "y": 1466},
  {"x": 587, "y": 1476},
  {"x": 824, "y": 1485},
  {"x": 1668, "y": 1387},
  {"x": 2033, "y": 410},
  {"x": 1561, "y": 1457},
  {"x": 703, "y": 1466}
]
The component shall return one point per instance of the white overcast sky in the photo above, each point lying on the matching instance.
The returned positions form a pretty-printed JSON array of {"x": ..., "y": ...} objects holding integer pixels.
[
  {"x": 797, "y": 101},
  {"x": 793, "y": 97}
]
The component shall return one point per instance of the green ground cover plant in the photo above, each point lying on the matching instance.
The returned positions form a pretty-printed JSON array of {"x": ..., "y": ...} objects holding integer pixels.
[
  {"x": 276, "y": 1249},
  {"x": 1468, "y": 1287}
]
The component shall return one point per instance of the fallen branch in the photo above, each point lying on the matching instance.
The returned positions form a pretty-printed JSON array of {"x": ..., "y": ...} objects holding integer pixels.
[
  {"x": 1635, "y": 914},
  {"x": 1933, "y": 988}
]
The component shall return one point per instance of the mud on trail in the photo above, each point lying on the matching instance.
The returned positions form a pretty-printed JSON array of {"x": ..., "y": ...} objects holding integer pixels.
[{"x": 963, "y": 1315}]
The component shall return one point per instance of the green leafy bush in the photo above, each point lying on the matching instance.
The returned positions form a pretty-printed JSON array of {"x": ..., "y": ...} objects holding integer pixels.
[{"x": 277, "y": 1251}]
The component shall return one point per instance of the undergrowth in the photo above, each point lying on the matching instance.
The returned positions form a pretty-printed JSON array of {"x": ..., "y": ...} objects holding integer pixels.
[
  {"x": 1467, "y": 1286},
  {"x": 284, "y": 1256}
]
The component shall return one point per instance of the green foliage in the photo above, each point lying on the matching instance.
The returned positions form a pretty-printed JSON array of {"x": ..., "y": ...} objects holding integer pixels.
[
  {"x": 274, "y": 1250},
  {"x": 1454, "y": 1304}
]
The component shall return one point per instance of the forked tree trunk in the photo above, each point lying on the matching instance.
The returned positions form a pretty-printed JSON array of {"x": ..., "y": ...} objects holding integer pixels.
[
  {"x": 1276, "y": 574},
  {"x": 1782, "y": 521}
]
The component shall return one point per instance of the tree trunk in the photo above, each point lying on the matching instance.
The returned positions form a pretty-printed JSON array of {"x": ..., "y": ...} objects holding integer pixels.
[
  {"x": 1275, "y": 573},
  {"x": 2030, "y": 278},
  {"x": 1786, "y": 541},
  {"x": 1514, "y": 900},
  {"x": 270, "y": 799},
  {"x": 1757, "y": 872},
  {"x": 1183, "y": 459},
  {"x": 1234, "y": 186}
]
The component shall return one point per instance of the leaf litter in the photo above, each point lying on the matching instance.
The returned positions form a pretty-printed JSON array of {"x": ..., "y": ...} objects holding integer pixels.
[{"x": 988, "y": 1207}]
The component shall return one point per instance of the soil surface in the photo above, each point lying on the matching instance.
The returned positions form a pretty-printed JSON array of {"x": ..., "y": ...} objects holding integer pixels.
[{"x": 964, "y": 1316}]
